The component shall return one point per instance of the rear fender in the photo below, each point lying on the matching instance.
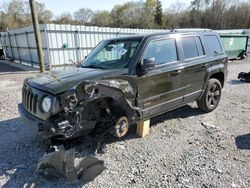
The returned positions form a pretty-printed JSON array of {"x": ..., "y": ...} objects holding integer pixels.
[{"x": 210, "y": 71}]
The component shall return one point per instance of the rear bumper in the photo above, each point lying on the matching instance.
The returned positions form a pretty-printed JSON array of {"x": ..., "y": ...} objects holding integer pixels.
[{"x": 31, "y": 120}]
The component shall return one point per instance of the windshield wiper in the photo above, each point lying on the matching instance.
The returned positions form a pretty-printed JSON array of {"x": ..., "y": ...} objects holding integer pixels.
[{"x": 91, "y": 66}]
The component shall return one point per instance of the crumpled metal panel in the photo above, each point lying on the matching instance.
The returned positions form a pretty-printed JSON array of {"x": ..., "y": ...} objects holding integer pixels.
[{"x": 63, "y": 164}]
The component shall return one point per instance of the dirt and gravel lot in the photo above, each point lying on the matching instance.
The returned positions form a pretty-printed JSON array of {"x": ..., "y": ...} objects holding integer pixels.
[{"x": 185, "y": 148}]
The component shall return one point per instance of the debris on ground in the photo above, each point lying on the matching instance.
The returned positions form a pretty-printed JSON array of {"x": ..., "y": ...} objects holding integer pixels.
[
  {"x": 63, "y": 164},
  {"x": 209, "y": 125},
  {"x": 244, "y": 77}
]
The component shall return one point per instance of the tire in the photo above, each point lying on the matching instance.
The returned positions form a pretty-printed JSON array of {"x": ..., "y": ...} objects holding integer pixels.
[{"x": 211, "y": 97}]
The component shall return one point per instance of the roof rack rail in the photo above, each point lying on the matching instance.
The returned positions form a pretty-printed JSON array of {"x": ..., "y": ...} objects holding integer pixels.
[{"x": 191, "y": 30}]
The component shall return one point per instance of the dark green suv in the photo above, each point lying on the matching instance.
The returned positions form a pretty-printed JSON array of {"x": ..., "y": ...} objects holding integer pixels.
[{"x": 126, "y": 80}]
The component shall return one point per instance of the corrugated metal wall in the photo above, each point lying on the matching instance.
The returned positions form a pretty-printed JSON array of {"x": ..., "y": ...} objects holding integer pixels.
[
  {"x": 60, "y": 43},
  {"x": 20, "y": 45}
]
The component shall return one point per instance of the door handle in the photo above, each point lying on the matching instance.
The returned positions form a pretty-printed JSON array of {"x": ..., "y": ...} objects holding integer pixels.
[
  {"x": 176, "y": 72},
  {"x": 204, "y": 65}
]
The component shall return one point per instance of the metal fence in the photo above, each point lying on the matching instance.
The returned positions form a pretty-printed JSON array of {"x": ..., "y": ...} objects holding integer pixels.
[{"x": 61, "y": 44}]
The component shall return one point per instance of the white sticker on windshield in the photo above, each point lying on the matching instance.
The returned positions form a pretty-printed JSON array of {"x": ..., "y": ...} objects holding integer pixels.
[{"x": 119, "y": 50}]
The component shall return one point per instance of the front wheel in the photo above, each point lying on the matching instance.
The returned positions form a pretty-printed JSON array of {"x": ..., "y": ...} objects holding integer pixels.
[{"x": 211, "y": 96}]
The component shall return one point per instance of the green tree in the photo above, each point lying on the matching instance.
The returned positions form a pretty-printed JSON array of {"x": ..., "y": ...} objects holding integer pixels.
[
  {"x": 64, "y": 18},
  {"x": 16, "y": 14},
  {"x": 214, "y": 14},
  {"x": 149, "y": 14},
  {"x": 158, "y": 13},
  {"x": 128, "y": 15},
  {"x": 101, "y": 18},
  {"x": 84, "y": 15}
]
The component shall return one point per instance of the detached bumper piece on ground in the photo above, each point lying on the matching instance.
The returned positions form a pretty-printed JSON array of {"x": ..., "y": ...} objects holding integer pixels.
[
  {"x": 63, "y": 164},
  {"x": 244, "y": 77}
]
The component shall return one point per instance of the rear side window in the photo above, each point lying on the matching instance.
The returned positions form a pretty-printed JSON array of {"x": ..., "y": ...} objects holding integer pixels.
[
  {"x": 200, "y": 46},
  {"x": 213, "y": 43},
  {"x": 163, "y": 51},
  {"x": 189, "y": 47}
]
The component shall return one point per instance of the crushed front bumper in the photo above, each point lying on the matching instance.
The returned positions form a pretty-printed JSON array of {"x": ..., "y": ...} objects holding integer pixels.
[
  {"x": 49, "y": 128},
  {"x": 30, "y": 120}
]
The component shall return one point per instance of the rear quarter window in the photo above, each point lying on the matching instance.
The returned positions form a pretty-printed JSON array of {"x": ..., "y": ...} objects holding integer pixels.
[{"x": 213, "y": 44}]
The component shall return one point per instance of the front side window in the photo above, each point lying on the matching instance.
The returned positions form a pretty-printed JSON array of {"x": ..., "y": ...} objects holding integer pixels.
[
  {"x": 213, "y": 44},
  {"x": 113, "y": 54},
  {"x": 162, "y": 51},
  {"x": 189, "y": 47}
]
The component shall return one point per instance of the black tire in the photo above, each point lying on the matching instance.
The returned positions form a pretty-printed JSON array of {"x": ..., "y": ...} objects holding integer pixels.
[{"x": 211, "y": 97}]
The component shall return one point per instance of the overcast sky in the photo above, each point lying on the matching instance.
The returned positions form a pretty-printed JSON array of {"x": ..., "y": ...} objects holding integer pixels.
[{"x": 59, "y": 6}]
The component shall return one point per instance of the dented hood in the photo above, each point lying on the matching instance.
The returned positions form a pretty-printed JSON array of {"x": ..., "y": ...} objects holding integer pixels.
[{"x": 59, "y": 81}]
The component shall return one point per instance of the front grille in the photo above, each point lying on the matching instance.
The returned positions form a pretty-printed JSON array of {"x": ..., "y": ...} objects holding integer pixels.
[{"x": 29, "y": 99}]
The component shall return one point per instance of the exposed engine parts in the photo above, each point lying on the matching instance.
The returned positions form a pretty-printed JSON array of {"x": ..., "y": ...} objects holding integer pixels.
[
  {"x": 97, "y": 117},
  {"x": 91, "y": 89},
  {"x": 92, "y": 107},
  {"x": 71, "y": 101},
  {"x": 244, "y": 77},
  {"x": 68, "y": 124}
]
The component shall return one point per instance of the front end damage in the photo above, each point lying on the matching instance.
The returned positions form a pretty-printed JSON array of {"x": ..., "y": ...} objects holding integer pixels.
[
  {"x": 101, "y": 107},
  {"x": 106, "y": 106}
]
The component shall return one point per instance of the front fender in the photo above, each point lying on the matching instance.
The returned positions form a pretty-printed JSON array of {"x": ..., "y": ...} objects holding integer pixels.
[{"x": 121, "y": 91}]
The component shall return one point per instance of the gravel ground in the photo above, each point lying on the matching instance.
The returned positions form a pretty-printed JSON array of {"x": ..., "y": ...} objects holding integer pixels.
[
  {"x": 185, "y": 148},
  {"x": 8, "y": 68}
]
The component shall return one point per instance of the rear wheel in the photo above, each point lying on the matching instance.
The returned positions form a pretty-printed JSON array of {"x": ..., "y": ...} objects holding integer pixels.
[{"x": 211, "y": 96}]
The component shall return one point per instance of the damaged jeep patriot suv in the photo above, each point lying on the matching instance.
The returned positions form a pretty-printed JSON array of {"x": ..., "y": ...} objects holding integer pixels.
[{"x": 126, "y": 80}]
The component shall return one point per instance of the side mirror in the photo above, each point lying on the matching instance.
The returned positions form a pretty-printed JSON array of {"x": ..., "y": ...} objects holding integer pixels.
[{"x": 144, "y": 66}]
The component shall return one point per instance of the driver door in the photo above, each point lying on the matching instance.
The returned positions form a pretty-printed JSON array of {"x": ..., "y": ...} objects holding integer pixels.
[{"x": 160, "y": 89}]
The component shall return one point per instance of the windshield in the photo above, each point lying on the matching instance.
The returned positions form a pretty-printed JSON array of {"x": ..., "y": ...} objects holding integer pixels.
[{"x": 112, "y": 54}]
